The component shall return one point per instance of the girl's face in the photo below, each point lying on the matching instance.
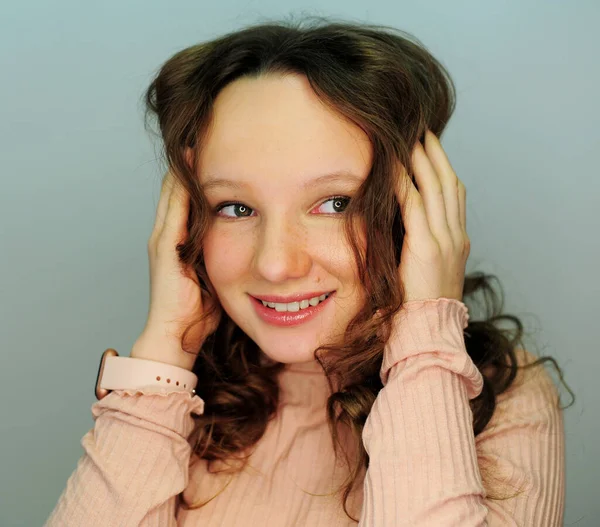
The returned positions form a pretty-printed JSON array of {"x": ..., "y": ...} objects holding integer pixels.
[{"x": 267, "y": 168}]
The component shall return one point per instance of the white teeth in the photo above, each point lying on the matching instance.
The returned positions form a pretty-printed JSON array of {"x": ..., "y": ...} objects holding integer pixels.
[{"x": 295, "y": 306}]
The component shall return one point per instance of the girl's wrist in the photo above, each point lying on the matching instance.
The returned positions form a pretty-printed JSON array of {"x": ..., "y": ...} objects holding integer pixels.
[{"x": 162, "y": 350}]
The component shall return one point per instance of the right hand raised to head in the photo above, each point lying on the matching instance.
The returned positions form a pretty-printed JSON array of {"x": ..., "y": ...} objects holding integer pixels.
[{"x": 176, "y": 298}]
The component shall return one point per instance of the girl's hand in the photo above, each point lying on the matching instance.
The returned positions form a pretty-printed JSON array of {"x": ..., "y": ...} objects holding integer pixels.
[
  {"x": 176, "y": 298},
  {"x": 436, "y": 246}
]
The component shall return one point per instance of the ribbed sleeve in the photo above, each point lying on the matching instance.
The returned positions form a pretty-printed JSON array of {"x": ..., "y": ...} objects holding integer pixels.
[
  {"x": 423, "y": 456},
  {"x": 135, "y": 462},
  {"x": 426, "y": 468}
]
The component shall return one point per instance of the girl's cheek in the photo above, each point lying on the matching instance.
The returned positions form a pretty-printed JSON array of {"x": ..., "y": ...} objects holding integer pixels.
[{"x": 228, "y": 253}]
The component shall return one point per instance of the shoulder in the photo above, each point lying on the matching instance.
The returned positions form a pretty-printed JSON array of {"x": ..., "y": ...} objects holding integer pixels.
[
  {"x": 531, "y": 403},
  {"x": 533, "y": 384},
  {"x": 521, "y": 450}
]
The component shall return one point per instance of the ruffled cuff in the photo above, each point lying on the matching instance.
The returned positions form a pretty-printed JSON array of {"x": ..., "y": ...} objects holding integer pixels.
[
  {"x": 169, "y": 409},
  {"x": 433, "y": 328}
]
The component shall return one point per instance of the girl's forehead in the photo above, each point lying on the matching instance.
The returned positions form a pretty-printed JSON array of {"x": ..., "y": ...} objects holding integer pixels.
[
  {"x": 341, "y": 179},
  {"x": 275, "y": 126}
]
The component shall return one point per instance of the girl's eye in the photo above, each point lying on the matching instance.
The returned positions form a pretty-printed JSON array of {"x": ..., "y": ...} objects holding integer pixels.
[
  {"x": 338, "y": 204},
  {"x": 239, "y": 210}
]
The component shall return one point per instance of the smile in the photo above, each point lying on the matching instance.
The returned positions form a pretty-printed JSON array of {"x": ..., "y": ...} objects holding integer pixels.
[
  {"x": 292, "y": 313},
  {"x": 296, "y": 306}
]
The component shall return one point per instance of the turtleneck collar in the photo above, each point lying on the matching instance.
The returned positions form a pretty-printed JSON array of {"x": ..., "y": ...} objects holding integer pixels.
[{"x": 304, "y": 385}]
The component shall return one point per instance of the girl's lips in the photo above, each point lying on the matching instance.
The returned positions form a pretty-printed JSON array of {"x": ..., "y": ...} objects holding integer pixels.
[
  {"x": 298, "y": 297},
  {"x": 288, "y": 318}
]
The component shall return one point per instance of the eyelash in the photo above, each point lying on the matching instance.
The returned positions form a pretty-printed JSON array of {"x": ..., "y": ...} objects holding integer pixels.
[{"x": 221, "y": 206}]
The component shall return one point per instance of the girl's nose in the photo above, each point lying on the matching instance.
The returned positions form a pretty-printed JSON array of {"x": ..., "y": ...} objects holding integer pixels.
[{"x": 282, "y": 253}]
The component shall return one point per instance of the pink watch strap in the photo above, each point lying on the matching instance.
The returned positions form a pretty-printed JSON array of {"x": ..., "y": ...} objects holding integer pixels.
[{"x": 127, "y": 373}]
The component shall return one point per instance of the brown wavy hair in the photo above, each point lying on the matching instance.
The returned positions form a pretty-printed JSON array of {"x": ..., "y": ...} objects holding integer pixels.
[{"x": 386, "y": 82}]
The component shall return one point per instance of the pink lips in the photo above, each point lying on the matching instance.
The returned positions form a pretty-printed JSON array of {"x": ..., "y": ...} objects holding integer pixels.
[
  {"x": 290, "y": 298},
  {"x": 288, "y": 318}
]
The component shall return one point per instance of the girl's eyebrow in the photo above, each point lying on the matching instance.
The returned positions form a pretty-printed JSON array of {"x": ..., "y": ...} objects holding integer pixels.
[{"x": 333, "y": 177}]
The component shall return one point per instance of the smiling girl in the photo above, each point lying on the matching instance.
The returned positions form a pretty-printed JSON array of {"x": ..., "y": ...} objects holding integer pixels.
[{"x": 308, "y": 357}]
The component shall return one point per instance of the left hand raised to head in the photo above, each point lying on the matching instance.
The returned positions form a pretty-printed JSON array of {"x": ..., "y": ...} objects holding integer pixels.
[{"x": 436, "y": 246}]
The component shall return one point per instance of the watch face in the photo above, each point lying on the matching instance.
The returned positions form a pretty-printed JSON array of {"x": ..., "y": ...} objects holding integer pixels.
[{"x": 102, "y": 392}]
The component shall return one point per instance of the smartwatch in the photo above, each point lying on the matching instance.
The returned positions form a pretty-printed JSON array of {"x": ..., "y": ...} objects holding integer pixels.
[{"x": 129, "y": 373}]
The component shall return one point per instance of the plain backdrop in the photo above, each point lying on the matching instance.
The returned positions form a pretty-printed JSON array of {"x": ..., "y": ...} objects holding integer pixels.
[{"x": 80, "y": 179}]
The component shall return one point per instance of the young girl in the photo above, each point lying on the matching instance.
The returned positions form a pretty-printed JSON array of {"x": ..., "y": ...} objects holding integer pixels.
[{"x": 308, "y": 359}]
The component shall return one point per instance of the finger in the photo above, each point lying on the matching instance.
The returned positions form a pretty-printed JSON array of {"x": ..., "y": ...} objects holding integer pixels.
[
  {"x": 449, "y": 182},
  {"x": 175, "y": 227},
  {"x": 414, "y": 216},
  {"x": 462, "y": 205},
  {"x": 163, "y": 204},
  {"x": 431, "y": 191}
]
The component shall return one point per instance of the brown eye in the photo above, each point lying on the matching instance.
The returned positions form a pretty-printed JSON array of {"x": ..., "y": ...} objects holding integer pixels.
[
  {"x": 338, "y": 205},
  {"x": 242, "y": 209},
  {"x": 238, "y": 210}
]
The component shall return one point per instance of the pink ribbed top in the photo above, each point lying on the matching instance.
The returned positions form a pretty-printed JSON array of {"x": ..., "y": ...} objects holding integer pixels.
[{"x": 424, "y": 467}]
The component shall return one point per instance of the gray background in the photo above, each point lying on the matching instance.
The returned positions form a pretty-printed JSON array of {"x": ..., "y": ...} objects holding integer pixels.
[{"x": 80, "y": 183}]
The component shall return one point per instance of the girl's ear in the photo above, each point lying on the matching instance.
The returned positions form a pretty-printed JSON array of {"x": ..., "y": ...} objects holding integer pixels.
[{"x": 189, "y": 157}]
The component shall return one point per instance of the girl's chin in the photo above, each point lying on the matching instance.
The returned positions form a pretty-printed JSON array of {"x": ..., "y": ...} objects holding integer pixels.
[{"x": 287, "y": 352}]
